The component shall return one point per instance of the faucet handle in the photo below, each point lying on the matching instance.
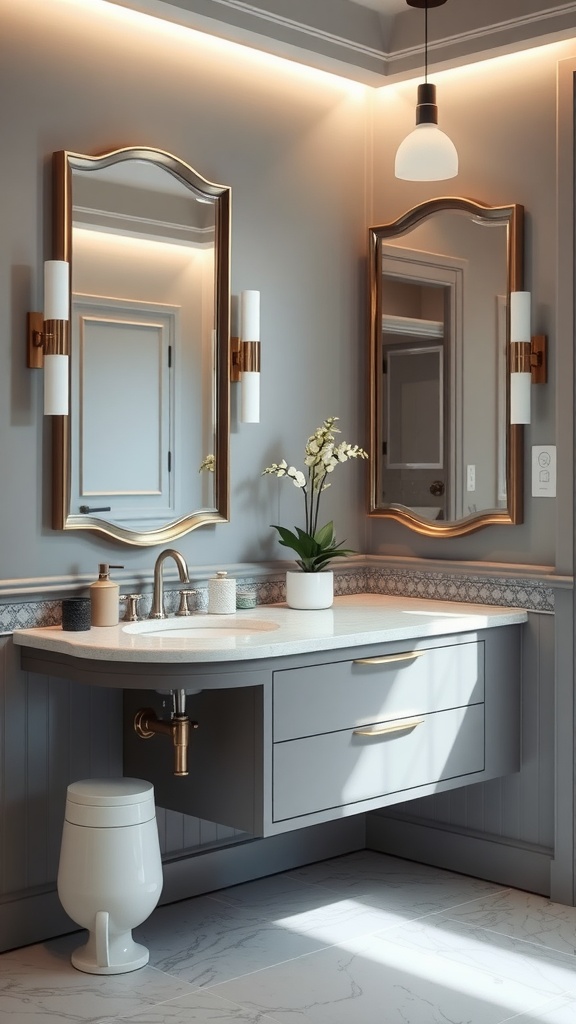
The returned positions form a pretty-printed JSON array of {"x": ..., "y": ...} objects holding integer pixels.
[
  {"x": 183, "y": 608},
  {"x": 132, "y": 601}
]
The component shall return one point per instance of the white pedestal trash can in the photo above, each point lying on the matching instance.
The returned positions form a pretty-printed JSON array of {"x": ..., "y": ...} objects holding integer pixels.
[{"x": 110, "y": 871}]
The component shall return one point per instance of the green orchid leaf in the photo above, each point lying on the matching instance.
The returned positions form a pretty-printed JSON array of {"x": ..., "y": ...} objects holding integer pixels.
[{"x": 324, "y": 537}]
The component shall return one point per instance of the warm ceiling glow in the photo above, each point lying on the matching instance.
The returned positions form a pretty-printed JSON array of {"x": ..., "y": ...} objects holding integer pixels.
[
  {"x": 149, "y": 248},
  {"x": 157, "y": 26},
  {"x": 512, "y": 62}
]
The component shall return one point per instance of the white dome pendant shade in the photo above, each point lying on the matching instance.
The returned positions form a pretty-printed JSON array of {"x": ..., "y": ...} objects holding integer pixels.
[{"x": 427, "y": 154}]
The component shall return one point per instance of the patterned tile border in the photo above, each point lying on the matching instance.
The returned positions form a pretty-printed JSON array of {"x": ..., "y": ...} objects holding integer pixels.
[{"x": 535, "y": 595}]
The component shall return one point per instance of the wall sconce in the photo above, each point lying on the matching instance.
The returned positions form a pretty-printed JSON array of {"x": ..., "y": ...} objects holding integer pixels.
[
  {"x": 245, "y": 357},
  {"x": 427, "y": 154},
  {"x": 528, "y": 357},
  {"x": 48, "y": 337}
]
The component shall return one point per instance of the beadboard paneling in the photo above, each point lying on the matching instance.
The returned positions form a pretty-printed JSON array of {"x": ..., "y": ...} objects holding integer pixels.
[{"x": 53, "y": 732}]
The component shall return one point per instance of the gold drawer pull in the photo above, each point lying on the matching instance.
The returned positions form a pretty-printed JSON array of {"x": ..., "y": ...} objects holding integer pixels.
[
  {"x": 381, "y": 730},
  {"x": 389, "y": 658}
]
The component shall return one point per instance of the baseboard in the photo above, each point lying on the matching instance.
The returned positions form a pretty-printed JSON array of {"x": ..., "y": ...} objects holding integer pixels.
[
  {"x": 490, "y": 857},
  {"x": 255, "y": 858},
  {"x": 38, "y": 916},
  {"x": 32, "y": 917}
]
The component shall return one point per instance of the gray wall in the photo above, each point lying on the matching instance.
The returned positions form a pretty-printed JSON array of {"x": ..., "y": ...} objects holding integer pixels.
[
  {"x": 291, "y": 144},
  {"x": 309, "y": 159},
  {"x": 502, "y": 116}
]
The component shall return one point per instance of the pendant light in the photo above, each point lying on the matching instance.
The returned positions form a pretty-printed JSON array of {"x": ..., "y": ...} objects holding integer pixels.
[{"x": 427, "y": 154}]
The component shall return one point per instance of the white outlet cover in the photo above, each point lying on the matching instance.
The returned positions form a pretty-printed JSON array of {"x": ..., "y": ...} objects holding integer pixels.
[{"x": 544, "y": 471}]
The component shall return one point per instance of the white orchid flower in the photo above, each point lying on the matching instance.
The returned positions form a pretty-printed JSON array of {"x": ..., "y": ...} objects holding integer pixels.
[
  {"x": 321, "y": 456},
  {"x": 297, "y": 476}
]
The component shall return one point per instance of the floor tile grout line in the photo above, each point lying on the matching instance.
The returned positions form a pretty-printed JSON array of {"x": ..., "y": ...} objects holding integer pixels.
[
  {"x": 335, "y": 945},
  {"x": 370, "y": 932},
  {"x": 366, "y": 896},
  {"x": 173, "y": 977},
  {"x": 174, "y": 1000},
  {"x": 536, "y": 1009},
  {"x": 490, "y": 972},
  {"x": 262, "y": 1019},
  {"x": 515, "y": 938}
]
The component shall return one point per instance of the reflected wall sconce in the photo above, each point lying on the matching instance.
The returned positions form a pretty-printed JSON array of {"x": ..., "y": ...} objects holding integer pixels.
[
  {"x": 427, "y": 154},
  {"x": 528, "y": 357},
  {"x": 245, "y": 357},
  {"x": 48, "y": 334}
]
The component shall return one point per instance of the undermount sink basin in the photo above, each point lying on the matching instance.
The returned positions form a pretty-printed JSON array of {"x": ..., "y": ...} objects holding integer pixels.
[{"x": 199, "y": 627}]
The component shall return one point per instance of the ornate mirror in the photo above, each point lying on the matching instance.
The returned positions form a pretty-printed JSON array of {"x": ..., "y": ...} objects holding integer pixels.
[
  {"x": 445, "y": 460},
  {"x": 148, "y": 241}
]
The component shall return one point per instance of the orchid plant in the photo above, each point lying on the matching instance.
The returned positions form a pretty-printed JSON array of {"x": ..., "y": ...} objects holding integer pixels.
[{"x": 315, "y": 546}]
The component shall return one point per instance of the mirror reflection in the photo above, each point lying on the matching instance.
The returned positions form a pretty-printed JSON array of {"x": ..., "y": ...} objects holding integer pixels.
[
  {"x": 445, "y": 460},
  {"x": 148, "y": 242}
]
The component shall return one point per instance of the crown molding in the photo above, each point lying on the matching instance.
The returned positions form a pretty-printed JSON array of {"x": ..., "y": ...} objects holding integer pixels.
[{"x": 356, "y": 42}]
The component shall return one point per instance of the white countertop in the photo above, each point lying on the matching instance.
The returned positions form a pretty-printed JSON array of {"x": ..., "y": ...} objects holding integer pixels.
[{"x": 270, "y": 631}]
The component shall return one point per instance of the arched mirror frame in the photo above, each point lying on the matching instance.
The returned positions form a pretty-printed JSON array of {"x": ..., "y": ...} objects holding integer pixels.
[
  {"x": 512, "y": 514},
  {"x": 63, "y": 165}
]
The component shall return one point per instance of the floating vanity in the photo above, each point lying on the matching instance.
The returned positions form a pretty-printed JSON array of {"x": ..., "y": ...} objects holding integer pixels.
[{"x": 304, "y": 717}]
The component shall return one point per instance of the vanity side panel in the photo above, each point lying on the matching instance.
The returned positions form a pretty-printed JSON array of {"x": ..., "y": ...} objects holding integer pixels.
[{"x": 502, "y": 829}]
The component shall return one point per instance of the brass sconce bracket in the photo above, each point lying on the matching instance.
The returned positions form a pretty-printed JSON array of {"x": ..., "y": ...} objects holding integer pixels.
[
  {"x": 539, "y": 359},
  {"x": 244, "y": 358},
  {"x": 531, "y": 357},
  {"x": 35, "y": 341},
  {"x": 44, "y": 337}
]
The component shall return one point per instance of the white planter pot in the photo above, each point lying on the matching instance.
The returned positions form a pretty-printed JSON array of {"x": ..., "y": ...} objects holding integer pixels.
[{"x": 309, "y": 589}]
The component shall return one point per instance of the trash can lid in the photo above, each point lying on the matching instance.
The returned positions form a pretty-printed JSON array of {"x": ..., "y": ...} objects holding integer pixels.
[{"x": 110, "y": 792}]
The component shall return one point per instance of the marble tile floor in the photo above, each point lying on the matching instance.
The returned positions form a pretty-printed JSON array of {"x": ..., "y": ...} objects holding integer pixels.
[{"x": 360, "y": 939}]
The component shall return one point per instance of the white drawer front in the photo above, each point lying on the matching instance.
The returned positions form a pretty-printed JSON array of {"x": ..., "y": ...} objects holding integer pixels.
[
  {"x": 333, "y": 769},
  {"x": 346, "y": 694}
]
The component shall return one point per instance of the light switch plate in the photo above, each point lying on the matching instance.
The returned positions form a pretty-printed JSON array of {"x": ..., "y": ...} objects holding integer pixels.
[{"x": 544, "y": 471}]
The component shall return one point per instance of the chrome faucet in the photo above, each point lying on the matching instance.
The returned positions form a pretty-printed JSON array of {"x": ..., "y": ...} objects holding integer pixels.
[{"x": 157, "y": 611}]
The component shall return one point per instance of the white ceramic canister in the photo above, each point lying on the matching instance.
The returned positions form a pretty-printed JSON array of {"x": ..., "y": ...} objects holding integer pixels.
[{"x": 221, "y": 594}]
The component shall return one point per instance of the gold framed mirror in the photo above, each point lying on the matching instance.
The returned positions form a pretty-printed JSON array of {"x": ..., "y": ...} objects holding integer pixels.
[
  {"x": 143, "y": 455},
  {"x": 445, "y": 459}
]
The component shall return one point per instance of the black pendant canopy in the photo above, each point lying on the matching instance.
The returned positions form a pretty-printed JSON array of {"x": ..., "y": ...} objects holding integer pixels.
[{"x": 422, "y": 4}]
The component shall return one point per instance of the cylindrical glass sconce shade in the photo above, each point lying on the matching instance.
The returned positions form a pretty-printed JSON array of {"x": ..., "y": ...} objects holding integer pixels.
[
  {"x": 520, "y": 386},
  {"x": 55, "y": 385},
  {"x": 250, "y": 397},
  {"x": 56, "y": 290}
]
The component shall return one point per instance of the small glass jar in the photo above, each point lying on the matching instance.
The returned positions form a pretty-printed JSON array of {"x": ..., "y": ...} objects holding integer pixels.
[{"x": 246, "y": 598}]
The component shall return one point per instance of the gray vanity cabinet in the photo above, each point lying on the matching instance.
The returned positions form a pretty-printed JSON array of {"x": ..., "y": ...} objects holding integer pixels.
[{"x": 320, "y": 736}]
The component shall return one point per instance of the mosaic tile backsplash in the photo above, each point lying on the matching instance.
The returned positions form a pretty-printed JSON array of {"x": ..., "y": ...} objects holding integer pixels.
[{"x": 534, "y": 595}]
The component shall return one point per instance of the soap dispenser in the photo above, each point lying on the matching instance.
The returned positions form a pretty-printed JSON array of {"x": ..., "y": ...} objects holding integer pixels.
[{"x": 105, "y": 597}]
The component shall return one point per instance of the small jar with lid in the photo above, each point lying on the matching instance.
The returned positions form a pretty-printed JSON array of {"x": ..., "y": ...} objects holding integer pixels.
[{"x": 221, "y": 594}]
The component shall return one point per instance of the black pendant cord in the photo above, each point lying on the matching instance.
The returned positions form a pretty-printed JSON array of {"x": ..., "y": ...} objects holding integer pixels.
[{"x": 426, "y": 42}]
